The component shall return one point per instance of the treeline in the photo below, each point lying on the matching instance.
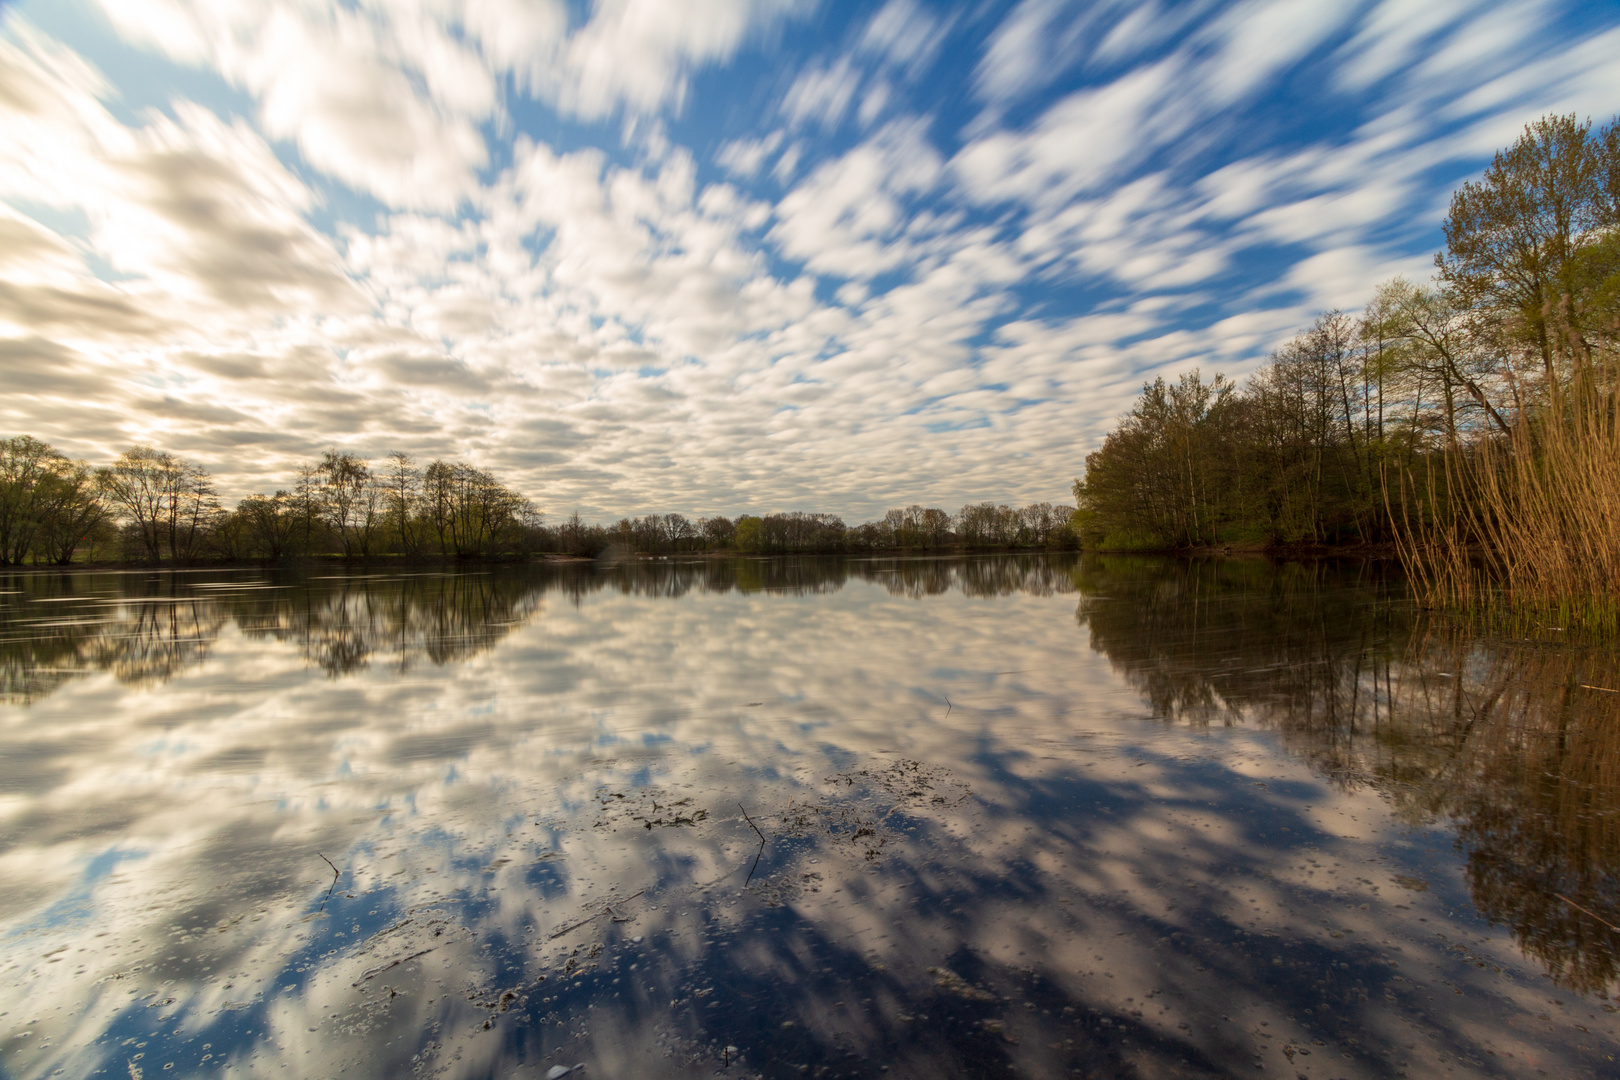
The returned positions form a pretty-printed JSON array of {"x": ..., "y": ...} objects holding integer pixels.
[
  {"x": 1390, "y": 424},
  {"x": 151, "y": 506},
  {"x": 979, "y": 527}
]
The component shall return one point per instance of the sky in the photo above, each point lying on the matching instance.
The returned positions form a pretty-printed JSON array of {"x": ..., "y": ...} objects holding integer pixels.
[{"x": 716, "y": 256}]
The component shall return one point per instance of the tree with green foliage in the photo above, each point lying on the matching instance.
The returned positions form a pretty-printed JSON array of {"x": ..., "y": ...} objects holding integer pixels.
[
  {"x": 71, "y": 511},
  {"x": 48, "y": 504},
  {"x": 1520, "y": 329},
  {"x": 749, "y": 534},
  {"x": 1530, "y": 245},
  {"x": 1155, "y": 480}
]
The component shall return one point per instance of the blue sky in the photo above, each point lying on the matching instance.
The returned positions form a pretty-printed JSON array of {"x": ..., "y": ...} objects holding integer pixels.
[{"x": 645, "y": 255}]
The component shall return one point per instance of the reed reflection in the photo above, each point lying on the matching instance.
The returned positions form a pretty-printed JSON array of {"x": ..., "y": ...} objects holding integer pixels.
[{"x": 1514, "y": 742}]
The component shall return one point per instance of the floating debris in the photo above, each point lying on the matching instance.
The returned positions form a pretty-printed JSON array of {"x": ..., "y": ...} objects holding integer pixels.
[
  {"x": 607, "y": 909},
  {"x": 950, "y": 980}
]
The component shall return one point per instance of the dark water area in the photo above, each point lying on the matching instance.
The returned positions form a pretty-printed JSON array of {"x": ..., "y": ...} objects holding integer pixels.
[{"x": 970, "y": 817}]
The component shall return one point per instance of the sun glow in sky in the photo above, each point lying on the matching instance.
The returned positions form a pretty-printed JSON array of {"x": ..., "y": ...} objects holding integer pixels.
[{"x": 716, "y": 255}]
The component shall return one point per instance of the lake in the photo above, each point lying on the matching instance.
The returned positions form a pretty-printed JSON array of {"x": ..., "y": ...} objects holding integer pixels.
[{"x": 1014, "y": 815}]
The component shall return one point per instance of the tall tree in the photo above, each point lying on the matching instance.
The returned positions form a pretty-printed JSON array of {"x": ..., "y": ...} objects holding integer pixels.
[
  {"x": 403, "y": 481},
  {"x": 1158, "y": 476},
  {"x": 1515, "y": 238},
  {"x": 350, "y": 501},
  {"x": 71, "y": 510},
  {"x": 26, "y": 468}
]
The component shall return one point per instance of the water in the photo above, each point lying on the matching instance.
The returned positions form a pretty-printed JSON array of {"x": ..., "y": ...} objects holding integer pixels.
[{"x": 1015, "y": 816}]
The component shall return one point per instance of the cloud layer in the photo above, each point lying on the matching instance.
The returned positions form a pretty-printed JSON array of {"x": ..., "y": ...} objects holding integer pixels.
[{"x": 721, "y": 256}]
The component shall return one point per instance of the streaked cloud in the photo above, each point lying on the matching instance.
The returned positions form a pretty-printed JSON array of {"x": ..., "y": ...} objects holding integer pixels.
[{"x": 722, "y": 256}]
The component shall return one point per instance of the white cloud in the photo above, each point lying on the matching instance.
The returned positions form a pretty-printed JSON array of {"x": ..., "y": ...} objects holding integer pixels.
[
  {"x": 1080, "y": 142},
  {"x": 787, "y": 166},
  {"x": 1338, "y": 277},
  {"x": 389, "y": 96},
  {"x": 169, "y": 26},
  {"x": 743, "y": 157},
  {"x": 905, "y": 35},
  {"x": 1583, "y": 80},
  {"x": 821, "y": 95},
  {"x": 848, "y": 216},
  {"x": 1141, "y": 28},
  {"x": 1263, "y": 37},
  {"x": 640, "y": 54},
  {"x": 195, "y": 211},
  {"x": 1391, "y": 36},
  {"x": 513, "y": 34},
  {"x": 873, "y": 102},
  {"x": 1029, "y": 48},
  {"x": 382, "y": 99}
]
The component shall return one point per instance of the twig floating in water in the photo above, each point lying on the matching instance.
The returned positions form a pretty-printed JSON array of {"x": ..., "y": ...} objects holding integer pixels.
[
  {"x": 760, "y": 854},
  {"x": 1594, "y": 914},
  {"x": 757, "y": 855},
  {"x": 397, "y": 926},
  {"x": 577, "y": 925},
  {"x": 335, "y": 875},
  {"x": 374, "y": 972},
  {"x": 607, "y": 909},
  {"x": 751, "y": 824},
  {"x": 948, "y": 705}
]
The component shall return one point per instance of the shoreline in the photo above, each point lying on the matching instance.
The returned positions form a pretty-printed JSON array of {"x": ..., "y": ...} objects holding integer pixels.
[{"x": 1300, "y": 552}]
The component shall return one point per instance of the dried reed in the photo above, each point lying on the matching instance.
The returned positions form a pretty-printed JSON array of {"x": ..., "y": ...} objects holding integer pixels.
[{"x": 1523, "y": 530}]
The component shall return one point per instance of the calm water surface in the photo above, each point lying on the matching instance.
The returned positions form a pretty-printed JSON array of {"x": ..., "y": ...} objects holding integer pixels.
[{"x": 1016, "y": 816}]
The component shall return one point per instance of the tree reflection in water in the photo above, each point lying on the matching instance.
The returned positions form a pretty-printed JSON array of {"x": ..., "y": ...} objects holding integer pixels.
[
  {"x": 147, "y": 627},
  {"x": 1515, "y": 742},
  {"x": 1035, "y": 879}
]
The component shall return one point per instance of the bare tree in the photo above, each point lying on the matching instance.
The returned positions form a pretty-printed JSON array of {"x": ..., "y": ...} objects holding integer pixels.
[
  {"x": 272, "y": 521},
  {"x": 403, "y": 481},
  {"x": 351, "y": 503},
  {"x": 716, "y": 531},
  {"x": 169, "y": 502}
]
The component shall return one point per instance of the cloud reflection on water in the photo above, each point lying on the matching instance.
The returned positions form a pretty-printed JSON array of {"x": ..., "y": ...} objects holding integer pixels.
[{"x": 1116, "y": 897}]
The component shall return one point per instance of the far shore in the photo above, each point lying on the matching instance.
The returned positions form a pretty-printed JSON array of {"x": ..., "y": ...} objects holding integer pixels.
[{"x": 1301, "y": 552}]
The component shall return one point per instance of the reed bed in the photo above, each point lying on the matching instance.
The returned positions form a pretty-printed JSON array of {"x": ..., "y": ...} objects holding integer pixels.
[{"x": 1522, "y": 530}]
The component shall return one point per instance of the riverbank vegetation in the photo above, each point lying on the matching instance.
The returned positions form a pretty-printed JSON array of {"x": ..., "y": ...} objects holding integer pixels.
[
  {"x": 152, "y": 507},
  {"x": 1471, "y": 422}
]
